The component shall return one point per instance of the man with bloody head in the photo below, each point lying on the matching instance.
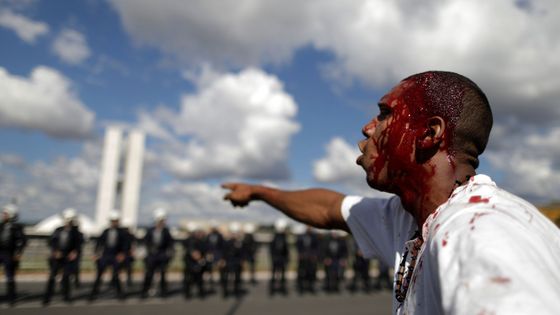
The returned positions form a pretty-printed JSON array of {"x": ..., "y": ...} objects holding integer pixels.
[{"x": 459, "y": 244}]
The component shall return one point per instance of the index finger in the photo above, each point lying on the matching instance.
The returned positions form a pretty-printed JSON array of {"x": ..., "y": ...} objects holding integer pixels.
[{"x": 229, "y": 185}]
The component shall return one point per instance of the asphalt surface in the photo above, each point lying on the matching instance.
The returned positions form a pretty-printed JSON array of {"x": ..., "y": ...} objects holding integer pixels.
[{"x": 257, "y": 300}]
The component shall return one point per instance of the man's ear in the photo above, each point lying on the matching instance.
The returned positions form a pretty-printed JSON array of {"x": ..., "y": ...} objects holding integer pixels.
[
  {"x": 432, "y": 135},
  {"x": 429, "y": 140}
]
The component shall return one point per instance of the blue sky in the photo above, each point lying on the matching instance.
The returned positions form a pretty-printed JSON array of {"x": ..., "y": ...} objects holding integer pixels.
[{"x": 273, "y": 92}]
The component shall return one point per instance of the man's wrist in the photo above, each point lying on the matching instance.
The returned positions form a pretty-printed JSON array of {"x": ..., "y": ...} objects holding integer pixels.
[
  {"x": 262, "y": 193},
  {"x": 257, "y": 192}
]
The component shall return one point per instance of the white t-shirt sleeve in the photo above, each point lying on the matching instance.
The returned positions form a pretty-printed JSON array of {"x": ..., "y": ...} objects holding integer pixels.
[{"x": 379, "y": 225}]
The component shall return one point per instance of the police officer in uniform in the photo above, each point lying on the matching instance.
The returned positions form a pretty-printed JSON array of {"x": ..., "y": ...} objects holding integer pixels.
[
  {"x": 159, "y": 248},
  {"x": 12, "y": 243},
  {"x": 65, "y": 243},
  {"x": 130, "y": 247},
  {"x": 214, "y": 252},
  {"x": 279, "y": 256},
  {"x": 195, "y": 247},
  {"x": 232, "y": 265},
  {"x": 110, "y": 250},
  {"x": 360, "y": 266},
  {"x": 250, "y": 247},
  {"x": 334, "y": 261},
  {"x": 76, "y": 271},
  {"x": 307, "y": 245}
]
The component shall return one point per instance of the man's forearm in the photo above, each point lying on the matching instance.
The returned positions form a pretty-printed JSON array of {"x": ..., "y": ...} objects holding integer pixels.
[{"x": 316, "y": 207}]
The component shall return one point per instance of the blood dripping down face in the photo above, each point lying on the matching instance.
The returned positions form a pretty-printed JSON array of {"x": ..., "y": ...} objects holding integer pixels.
[{"x": 390, "y": 155}]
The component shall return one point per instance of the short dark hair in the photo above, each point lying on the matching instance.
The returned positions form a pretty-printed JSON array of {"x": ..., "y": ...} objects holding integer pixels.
[{"x": 461, "y": 103}]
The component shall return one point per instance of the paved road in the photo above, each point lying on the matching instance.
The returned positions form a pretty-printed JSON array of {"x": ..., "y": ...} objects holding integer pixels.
[{"x": 256, "y": 301}]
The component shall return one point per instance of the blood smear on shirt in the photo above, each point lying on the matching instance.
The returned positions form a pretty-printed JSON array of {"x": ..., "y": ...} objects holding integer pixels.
[
  {"x": 444, "y": 241},
  {"x": 478, "y": 199},
  {"x": 476, "y": 216},
  {"x": 500, "y": 280}
]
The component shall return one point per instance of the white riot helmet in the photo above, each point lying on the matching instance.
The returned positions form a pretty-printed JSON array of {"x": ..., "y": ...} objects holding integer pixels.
[
  {"x": 280, "y": 225},
  {"x": 249, "y": 228},
  {"x": 299, "y": 229},
  {"x": 68, "y": 214},
  {"x": 234, "y": 227},
  {"x": 160, "y": 214},
  {"x": 11, "y": 210},
  {"x": 114, "y": 215},
  {"x": 192, "y": 227},
  {"x": 214, "y": 224}
]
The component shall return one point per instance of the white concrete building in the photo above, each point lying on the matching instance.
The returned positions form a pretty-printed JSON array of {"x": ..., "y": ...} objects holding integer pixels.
[{"x": 121, "y": 177}]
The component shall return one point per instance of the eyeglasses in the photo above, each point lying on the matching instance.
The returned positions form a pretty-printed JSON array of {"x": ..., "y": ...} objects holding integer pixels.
[{"x": 404, "y": 274}]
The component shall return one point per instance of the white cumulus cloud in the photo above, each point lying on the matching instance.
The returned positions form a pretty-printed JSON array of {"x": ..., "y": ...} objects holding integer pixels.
[
  {"x": 203, "y": 201},
  {"x": 530, "y": 163},
  {"x": 339, "y": 164},
  {"x": 235, "y": 124},
  {"x": 250, "y": 32},
  {"x": 509, "y": 48},
  {"x": 45, "y": 102},
  {"x": 71, "y": 47},
  {"x": 43, "y": 188},
  {"x": 26, "y": 29},
  {"x": 339, "y": 167}
]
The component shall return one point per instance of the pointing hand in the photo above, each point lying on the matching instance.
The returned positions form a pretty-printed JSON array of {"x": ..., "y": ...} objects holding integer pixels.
[{"x": 239, "y": 195}]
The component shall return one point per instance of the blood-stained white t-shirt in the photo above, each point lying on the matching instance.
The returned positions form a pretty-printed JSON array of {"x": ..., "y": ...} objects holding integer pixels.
[{"x": 485, "y": 251}]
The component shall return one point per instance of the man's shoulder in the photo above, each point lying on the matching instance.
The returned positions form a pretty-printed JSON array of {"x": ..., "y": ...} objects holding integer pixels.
[
  {"x": 361, "y": 204},
  {"x": 481, "y": 209},
  {"x": 482, "y": 194}
]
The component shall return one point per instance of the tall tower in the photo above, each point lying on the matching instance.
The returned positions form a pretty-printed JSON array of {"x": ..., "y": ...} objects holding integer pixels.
[
  {"x": 113, "y": 184},
  {"x": 132, "y": 178},
  {"x": 107, "y": 188}
]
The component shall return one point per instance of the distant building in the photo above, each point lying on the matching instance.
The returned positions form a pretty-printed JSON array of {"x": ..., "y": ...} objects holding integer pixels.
[
  {"x": 121, "y": 176},
  {"x": 48, "y": 225}
]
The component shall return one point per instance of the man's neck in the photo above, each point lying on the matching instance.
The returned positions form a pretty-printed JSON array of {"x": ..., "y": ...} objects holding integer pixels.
[{"x": 422, "y": 194}]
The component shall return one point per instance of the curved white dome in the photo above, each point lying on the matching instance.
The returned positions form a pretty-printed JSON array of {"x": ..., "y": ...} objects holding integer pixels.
[{"x": 48, "y": 225}]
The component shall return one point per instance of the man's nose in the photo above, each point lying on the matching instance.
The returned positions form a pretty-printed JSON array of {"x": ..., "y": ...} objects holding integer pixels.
[{"x": 367, "y": 129}]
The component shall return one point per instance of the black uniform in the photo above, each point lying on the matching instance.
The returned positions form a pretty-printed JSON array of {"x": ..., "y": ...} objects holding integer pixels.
[
  {"x": 214, "y": 252},
  {"x": 65, "y": 244},
  {"x": 360, "y": 267},
  {"x": 233, "y": 266},
  {"x": 307, "y": 245},
  {"x": 280, "y": 256},
  {"x": 159, "y": 247},
  {"x": 128, "y": 263},
  {"x": 250, "y": 247},
  {"x": 334, "y": 261},
  {"x": 195, "y": 247},
  {"x": 111, "y": 246},
  {"x": 12, "y": 243},
  {"x": 76, "y": 273}
]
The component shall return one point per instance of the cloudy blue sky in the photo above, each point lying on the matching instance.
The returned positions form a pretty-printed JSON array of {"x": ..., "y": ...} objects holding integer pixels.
[{"x": 270, "y": 92}]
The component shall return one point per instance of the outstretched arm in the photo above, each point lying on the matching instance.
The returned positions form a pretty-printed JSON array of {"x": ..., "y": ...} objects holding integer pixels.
[{"x": 316, "y": 207}]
